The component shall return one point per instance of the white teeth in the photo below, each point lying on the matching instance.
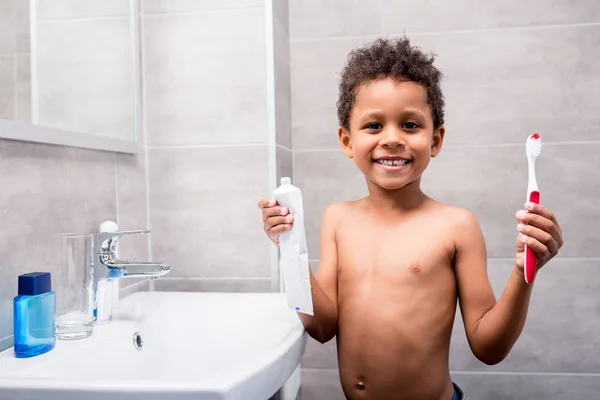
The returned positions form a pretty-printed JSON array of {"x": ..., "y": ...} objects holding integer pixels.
[{"x": 393, "y": 163}]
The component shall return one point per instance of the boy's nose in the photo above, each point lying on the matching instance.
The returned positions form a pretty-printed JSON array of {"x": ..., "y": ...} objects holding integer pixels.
[{"x": 392, "y": 138}]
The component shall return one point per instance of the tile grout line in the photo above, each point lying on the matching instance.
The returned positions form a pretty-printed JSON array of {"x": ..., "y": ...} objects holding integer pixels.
[
  {"x": 446, "y": 32},
  {"x": 6, "y": 55}
]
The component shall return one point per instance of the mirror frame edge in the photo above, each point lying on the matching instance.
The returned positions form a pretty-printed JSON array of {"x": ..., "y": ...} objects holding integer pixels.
[{"x": 24, "y": 132}]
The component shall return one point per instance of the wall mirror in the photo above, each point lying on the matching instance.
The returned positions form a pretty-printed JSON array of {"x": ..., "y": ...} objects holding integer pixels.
[{"x": 69, "y": 73}]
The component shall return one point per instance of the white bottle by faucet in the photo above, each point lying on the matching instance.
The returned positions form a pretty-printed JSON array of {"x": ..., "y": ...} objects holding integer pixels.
[{"x": 108, "y": 292}]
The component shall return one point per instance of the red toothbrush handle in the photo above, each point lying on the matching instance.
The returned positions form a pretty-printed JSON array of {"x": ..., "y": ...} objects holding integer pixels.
[{"x": 530, "y": 256}]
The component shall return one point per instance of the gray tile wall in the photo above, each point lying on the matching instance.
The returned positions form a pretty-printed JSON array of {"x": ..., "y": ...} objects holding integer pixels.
[
  {"x": 54, "y": 189},
  {"x": 511, "y": 68},
  {"x": 205, "y": 81}
]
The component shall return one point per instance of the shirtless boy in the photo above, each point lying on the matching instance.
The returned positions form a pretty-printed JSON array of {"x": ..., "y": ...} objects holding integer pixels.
[{"x": 393, "y": 264}]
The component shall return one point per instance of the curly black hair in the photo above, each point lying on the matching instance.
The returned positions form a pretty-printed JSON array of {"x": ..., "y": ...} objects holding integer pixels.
[{"x": 390, "y": 58}]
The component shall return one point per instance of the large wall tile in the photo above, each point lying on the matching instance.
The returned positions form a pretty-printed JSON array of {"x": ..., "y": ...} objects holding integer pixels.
[
  {"x": 7, "y": 27},
  {"x": 7, "y": 87},
  {"x": 236, "y": 285},
  {"x": 320, "y": 356},
  {"x": 132, "y": 212},
  {"x": 320, "y": 384},
  {"x": 528, "y": 387},
  {"x": 84, "y": 76},
  {"x": 313, "y": 19},
  {"x": 281, "y": 11},
  {"x": 283, "y": 110},
  {"x": 23, "y": 88},
  {"x": 399, "y": 16},
  {"x": 495, "y": 193},
  {"x": 318, "y": 19},
  {"x": 140, "y": 286},
  {"x": 180, "y": 6},
  {"x": 285, "y": 166},
  {"x": 209, "y": 93},
  {"x": 22, "y": 26},
  {"x": 49, "y": 189},
  {"x": 58, "y": 9},
  {"x": 203, "y": 211},
  {"x": 560, "y": 332}
]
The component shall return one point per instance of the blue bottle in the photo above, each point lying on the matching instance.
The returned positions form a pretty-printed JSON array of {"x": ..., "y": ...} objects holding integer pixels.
[{"x": 34, "y": 310}]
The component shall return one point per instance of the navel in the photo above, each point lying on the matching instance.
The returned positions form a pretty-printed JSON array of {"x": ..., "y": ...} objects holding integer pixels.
[
  {"x": 415, "y": 268},
  {"x": 360, "y": 385}
]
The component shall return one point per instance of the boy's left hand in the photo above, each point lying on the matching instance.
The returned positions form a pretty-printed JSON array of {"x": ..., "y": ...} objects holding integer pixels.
[{"x": 539, "y": 230}]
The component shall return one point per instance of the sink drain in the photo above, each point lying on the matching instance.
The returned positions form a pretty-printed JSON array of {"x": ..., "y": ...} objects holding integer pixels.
[{"x": 138, "y": 343}]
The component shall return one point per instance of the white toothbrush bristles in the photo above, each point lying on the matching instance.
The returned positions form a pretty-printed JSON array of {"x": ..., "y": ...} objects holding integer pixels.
[{"x": 533, "y": 146}]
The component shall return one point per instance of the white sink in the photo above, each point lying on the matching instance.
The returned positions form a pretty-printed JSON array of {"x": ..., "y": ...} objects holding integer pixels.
[{"x": 201, "y": 346}]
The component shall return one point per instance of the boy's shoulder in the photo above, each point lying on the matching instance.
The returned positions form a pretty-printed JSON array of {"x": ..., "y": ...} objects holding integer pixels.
[
  {"x": 456, "y": 217},
  {"x": 338, "y": 210}
]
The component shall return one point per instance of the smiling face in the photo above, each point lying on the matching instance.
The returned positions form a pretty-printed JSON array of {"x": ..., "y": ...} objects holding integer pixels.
[{"x": 391, "y": 134}]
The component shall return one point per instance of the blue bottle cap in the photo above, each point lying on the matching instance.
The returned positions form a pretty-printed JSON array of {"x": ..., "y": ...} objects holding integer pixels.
[{"x": 34, "y": 283}]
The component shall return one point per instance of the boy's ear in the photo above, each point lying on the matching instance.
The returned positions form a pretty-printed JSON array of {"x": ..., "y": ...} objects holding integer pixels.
[
  {"x": 436, "y": 143},
  {"x": 345, "y": 142}
]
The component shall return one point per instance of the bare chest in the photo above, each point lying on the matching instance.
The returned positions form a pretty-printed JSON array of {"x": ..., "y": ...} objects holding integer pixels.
[{"x": 394, "y": 254}]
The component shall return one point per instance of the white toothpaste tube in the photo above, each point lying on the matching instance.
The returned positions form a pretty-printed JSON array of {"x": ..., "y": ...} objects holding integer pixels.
[{"x": 293, "y": 261}]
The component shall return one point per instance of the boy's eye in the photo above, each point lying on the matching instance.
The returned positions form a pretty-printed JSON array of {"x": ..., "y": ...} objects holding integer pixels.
[
  {"x": 373, "y": 125},
  {"x": 410, "y": 125}
]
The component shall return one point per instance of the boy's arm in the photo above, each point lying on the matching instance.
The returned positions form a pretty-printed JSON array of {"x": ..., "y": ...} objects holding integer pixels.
[
  {"x": 492, "y": 327},
  {"x": 323, "y": 325}
]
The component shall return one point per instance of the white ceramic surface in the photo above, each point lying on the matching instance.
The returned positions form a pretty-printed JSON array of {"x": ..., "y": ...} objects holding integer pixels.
[{"x": 195, "y": 346}]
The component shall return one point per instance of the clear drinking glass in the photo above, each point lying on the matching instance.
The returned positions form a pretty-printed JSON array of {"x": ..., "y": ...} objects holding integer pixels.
[{"x": 74, "y": 285}]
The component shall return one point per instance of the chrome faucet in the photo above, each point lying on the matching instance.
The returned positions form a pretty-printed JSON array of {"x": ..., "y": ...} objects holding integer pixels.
[{"x": 107, "y": 267}]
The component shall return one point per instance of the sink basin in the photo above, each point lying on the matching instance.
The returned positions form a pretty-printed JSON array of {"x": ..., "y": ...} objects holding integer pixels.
[{"x": 201, "y": 346}]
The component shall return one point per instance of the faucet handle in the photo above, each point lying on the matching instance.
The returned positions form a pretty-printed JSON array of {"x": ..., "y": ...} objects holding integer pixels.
[
  {"x": 106, "y": 242},
  {"x": 102, "y": 236}
]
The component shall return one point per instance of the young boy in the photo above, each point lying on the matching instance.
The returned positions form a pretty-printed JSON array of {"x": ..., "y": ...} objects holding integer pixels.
[{"x": 393, "y": 264}]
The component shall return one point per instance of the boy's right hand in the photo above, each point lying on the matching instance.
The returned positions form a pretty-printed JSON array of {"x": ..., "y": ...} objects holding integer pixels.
[{"x": 276, "y": 219}]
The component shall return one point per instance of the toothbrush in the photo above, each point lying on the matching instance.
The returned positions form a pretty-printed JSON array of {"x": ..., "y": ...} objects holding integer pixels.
[{"x": 533, "y": 147}]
